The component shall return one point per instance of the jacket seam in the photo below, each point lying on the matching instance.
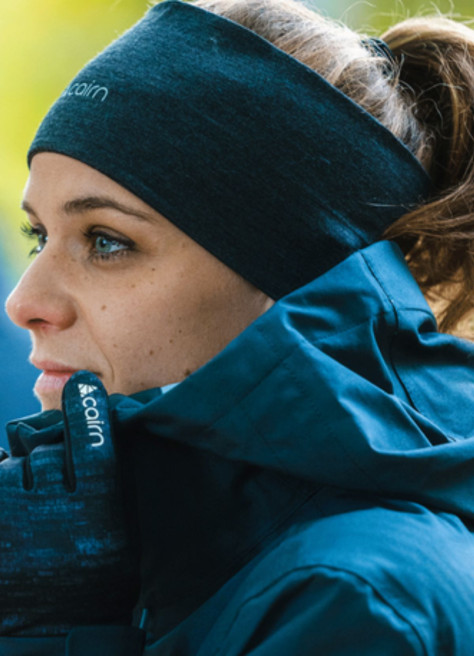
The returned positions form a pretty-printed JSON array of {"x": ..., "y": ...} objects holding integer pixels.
[
  {"x": 386, "y": 293},
  {"x": 314, "y": 568},
  {"x": 378, "y": 315},
  {"x": 395, "y": 332}
]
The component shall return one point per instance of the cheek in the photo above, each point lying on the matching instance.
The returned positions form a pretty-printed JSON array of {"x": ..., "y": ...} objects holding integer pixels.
[
  {"x": 144, "y": 339},
  {"x": 170, "y": 321}
]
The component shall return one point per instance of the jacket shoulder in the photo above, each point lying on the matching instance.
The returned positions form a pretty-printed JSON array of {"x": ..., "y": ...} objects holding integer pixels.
[
  {"x": 391, "y": 579},
  {"x": 317, "y": 610}
]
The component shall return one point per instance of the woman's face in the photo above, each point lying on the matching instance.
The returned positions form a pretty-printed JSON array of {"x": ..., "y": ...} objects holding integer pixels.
[{"x": 117, "y": 289}]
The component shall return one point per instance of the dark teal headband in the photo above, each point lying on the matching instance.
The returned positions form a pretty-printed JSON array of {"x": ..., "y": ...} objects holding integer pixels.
[{"x": 248, "y": 151}]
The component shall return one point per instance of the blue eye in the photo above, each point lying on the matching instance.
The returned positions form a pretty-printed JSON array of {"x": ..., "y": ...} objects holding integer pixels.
[
  {"x": 104, "y": 245},
  {"x": 42, "y": 240}
]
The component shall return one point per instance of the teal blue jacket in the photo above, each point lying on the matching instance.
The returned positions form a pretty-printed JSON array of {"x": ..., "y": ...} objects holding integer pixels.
[{"x": 310, "y": 490}]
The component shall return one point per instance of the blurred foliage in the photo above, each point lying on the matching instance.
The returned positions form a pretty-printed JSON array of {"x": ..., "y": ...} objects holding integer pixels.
[
  {"x": 375, "y": 17},
  {"x": 43, "y": 43}
]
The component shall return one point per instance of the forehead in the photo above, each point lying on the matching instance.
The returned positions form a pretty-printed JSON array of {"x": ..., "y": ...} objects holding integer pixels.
[
  {"x": 61, "y": 184},
  {"x": 52, "y": 174}
]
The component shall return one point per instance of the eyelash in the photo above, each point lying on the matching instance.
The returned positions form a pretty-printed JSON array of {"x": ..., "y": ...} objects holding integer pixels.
[
  {"x": 32, "y": 233},
  {"x": 36, "y": 232}
]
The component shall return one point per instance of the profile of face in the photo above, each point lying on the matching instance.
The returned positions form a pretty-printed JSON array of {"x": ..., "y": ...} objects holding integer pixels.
[{"x": 116, "y": 288}]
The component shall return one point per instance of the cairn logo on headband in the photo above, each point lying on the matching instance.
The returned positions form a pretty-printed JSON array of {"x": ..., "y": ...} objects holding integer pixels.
[{"x": 87, "y": 90}]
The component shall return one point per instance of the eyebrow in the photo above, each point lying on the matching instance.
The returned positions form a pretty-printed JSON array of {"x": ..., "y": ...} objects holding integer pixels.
[{"x": 88, "y": 203}]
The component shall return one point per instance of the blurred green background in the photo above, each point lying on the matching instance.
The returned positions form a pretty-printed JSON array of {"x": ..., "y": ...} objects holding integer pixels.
[{"x": 43, "y": 43}]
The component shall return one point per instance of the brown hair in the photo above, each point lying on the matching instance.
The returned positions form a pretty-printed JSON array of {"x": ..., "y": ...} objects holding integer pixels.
[{"x": 426, "y": 98}]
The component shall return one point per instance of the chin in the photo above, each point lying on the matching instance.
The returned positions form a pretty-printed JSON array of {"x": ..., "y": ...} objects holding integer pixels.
[{"x": 51, "y": 401}]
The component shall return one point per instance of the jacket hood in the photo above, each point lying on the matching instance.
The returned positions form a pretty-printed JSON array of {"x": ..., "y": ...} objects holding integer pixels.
[{"x": 345, "y": 382}]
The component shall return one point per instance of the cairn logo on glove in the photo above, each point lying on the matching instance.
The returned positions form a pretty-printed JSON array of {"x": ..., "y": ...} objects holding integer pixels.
[
  {"x": 85, "y": 404},
  {"x": 93, "y": 421},
  {"x": 84, "y": 390}
]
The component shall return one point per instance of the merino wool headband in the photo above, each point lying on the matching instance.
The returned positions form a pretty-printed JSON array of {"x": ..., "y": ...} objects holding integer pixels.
[{"x": 252, "y": 154}]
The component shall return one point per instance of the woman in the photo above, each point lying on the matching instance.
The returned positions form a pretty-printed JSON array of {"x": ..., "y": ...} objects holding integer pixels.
[{"x": 207, "y": 214}]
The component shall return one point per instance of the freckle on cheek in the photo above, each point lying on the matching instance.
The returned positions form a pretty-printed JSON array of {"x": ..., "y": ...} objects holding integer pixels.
[
  {"x": 187, "y": 373},
  {"x": 104, "y": 307},
  {"x": 133, "y": 286},
  {"x": 114, "y": 345},
  {"x": 151, "y": 352},
  {"x": 153, "y": 269},
  {"x": 171, "y": 341}
]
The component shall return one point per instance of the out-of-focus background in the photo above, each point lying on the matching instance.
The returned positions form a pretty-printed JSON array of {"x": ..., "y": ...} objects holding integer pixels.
[{"x": 43, "y": 43}]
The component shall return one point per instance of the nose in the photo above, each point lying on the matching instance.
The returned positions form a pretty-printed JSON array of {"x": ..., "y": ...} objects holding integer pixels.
[{"x": 41, "y": 300}]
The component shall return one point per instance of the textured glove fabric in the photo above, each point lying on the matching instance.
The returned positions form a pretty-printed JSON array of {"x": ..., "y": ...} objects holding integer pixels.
[{"x": 66, "y": 558}]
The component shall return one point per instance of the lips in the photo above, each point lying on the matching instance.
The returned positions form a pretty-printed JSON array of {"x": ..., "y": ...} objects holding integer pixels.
[{"x": 52, "y": 378}]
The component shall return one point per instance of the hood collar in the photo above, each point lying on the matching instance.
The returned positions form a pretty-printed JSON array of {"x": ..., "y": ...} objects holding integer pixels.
[{"x": 337, "y": 384}]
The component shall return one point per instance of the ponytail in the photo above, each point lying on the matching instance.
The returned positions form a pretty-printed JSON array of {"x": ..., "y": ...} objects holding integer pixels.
[
  {"x": 436, "y": 74},
  {"x": 425, "y": 98}
]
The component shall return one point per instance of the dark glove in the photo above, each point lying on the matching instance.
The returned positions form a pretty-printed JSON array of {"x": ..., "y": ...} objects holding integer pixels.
[{"x": 65, "y": 551}]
